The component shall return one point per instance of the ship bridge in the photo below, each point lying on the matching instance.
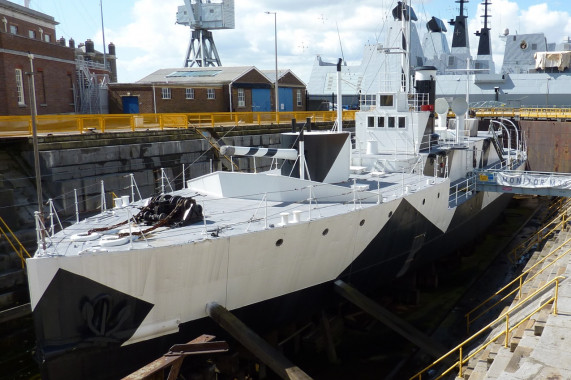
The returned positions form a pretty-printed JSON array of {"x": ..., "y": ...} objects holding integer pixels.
[{"x": 524, "y": 182}]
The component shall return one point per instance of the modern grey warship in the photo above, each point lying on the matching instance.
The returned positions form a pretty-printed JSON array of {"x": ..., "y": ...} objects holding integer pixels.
[{"x": 534, "y": 72}]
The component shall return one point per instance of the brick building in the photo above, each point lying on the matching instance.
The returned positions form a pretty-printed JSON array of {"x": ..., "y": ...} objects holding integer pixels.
[
  {"x": 291, "y": 90},
  {"x": 23, "y": 31},
  {"x": 203, "y": 89}
]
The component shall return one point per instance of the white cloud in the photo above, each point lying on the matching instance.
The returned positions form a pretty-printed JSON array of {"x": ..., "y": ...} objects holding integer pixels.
[{"x": 150, "y": 39}]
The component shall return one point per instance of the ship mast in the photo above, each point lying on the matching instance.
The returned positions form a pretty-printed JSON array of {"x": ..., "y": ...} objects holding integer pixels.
[
  {"x": 485, "y": 44},
  {"x": 405, "y": 60}
]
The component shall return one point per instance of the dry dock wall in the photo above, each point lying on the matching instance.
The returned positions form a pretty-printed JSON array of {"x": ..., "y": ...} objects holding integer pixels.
[
  {"x": 69, "y": 166},
  {"x": 548, "y": 145},
  {"x": 81, "y": 162}
]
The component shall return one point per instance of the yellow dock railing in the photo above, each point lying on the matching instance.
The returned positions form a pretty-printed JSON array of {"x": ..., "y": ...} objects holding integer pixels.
[
  {"x": 514, "y": 286},
  {"x": 16, "y": 245},
  {"x": 524, "y": 113},
  {"x": 66, "y": 124},
  {"x": 460, "y": 350},
  {"x": 542, "y": 234}
]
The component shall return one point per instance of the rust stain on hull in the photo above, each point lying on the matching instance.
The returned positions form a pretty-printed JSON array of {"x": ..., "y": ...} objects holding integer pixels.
[{"x": 548, "y": 145}]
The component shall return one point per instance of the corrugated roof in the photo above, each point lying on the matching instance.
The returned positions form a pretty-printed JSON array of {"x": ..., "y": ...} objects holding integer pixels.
[{"x": 197, "y": 75}]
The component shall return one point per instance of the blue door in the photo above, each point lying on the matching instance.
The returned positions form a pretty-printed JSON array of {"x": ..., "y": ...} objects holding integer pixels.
[
  {"x": 130, "y": 104},
  {"x": 261, "y": 101},
  {"x": 285, "y": 98}
]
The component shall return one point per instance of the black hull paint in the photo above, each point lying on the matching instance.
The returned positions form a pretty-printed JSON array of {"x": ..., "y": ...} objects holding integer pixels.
[{"x": 393, "y": 252}]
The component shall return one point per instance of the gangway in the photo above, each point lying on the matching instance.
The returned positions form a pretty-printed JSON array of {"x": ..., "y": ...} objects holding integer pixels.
[{"x": 524, "y": 182}]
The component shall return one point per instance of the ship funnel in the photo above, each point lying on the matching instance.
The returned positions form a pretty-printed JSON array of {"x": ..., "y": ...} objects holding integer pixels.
[{"x": 424, "y": 78}]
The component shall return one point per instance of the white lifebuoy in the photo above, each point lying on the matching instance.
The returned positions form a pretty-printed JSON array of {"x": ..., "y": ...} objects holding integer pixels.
[
  {"x": 113, "y": 240},
  {"x": 84, "y": 236}
]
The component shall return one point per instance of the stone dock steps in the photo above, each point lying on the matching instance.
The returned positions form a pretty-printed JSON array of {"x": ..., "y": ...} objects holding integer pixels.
[{"x": 540, "y": 347}]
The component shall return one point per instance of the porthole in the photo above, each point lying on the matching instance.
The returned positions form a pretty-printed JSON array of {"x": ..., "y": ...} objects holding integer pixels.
[
  {"x": 390, "y": 214},
  {"x": 362, "y": 222},
  {"x": 279, "y": 242},
  {"x": 325, "y": 232}
]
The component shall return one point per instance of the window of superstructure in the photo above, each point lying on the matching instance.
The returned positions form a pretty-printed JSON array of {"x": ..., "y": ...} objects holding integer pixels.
[
  {"x": 166, "y": 93},
  {"x": 381, "y": 121},
  {"x": 13, "y": 29},
  {"x": 299, "y": 103},
  {"x": 533, "y": 46},
  {"x": 32, "y": 34},
  {"x": 402, "y": 122},
  {"x": 371, "y": 122},
  {"x": 20, "y": 87},
  {"x": 189, "y": 93},
  {"x": 391, "y": 121},
  {"x": 386, "y": 101},
  {"x": 210, "y": 93},
  {"x": 368, "y": 100},
  {"x": 451, "y": 60},
  {"x": 241, "y": 98}
]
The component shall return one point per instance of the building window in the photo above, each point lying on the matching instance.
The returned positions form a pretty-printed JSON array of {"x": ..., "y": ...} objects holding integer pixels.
[
  {"x": 47, "y": 38},
  {"x": 299, "y": 98},
  {"x": 20, "y": 87},
  {"x": 189, "y": 93},
  {"x": 241, "y": 98},
  {"x": 32, "y": 34},
  {"x": 166, "y": 93},
  {"x": 13, "y": 29},
  {"x": 210, "y": 93}
]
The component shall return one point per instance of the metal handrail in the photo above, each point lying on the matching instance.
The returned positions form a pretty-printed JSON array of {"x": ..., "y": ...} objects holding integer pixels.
[
  {"x": 20, "y": 250},
  {"x": 460, "y": 348},
  {"x": 518, "y": 279},
  {"x": 536, "y": 238}
]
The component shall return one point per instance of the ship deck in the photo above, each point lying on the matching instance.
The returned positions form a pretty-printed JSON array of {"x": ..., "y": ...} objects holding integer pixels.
[{"x": 228, "y": 216}]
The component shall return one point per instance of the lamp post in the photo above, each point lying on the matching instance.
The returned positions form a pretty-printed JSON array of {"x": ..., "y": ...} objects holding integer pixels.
[
  {"x": 34, "y": 114},
  {"x": 276, "y": 54}
]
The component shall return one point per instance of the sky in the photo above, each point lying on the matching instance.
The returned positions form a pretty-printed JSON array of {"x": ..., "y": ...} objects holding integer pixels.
[{"x": 147, "y": 38}]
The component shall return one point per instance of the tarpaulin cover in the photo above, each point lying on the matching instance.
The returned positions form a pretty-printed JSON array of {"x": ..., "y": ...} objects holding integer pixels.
[{"x": 559, "y": 59}]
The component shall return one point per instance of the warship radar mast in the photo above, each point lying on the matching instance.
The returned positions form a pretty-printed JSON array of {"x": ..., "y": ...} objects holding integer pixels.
[{"x": 202, "y": 16}]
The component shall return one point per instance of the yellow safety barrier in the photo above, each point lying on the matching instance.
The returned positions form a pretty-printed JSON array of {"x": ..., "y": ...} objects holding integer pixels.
[
  {"x": 66, "y": 124},
  {"x": 459, "y": 349},
  {"x": 540, "y": 235},
  {"x": 524, "y": 113},
  {"x": 519, "y": 281},
  {"x": 14, "y": 242}
]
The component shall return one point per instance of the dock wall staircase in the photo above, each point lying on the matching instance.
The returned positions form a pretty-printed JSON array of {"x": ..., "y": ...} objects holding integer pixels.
[
  {"x": 485, "y": 357},
  {"x": 498, "y": 358}
]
